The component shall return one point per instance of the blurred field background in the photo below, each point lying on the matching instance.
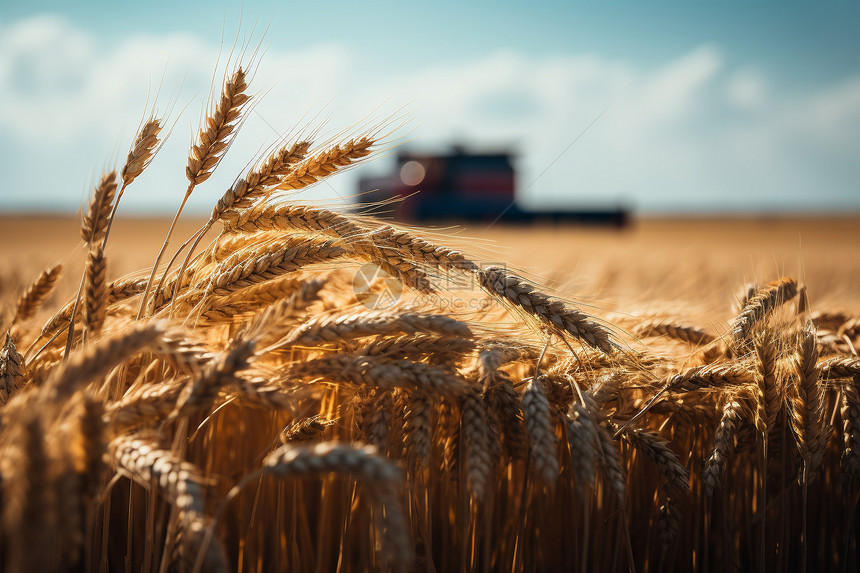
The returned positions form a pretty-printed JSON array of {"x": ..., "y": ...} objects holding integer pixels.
[{"x": 688, "y": 266}]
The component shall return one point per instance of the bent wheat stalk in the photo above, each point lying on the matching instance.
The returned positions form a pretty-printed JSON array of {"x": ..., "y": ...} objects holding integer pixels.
[{"x": 554, "y": 313}]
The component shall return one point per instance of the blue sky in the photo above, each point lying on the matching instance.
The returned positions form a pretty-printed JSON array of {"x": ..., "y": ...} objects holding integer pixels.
[{"x": 732, "y": 106}]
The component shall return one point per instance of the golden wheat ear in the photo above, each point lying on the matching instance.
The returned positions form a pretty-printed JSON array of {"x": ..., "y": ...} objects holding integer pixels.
[
  {"x": 96, "y": 295},
  {"x": 219, "y": 129},
  {"x": 13, "y": 372},
  {"x": 553, "y": 313},
  {"x": 181, "y": 483},
  {"x": 32, "y": 299},
  {"x": 146, "y": 145},
  {"x": 94, "y": 228},
  {"x": 213, "y": 140}
]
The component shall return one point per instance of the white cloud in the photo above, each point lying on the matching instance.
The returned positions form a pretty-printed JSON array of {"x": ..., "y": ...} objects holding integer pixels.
[
  {"x": 695, "y": 131},
  {"x": 746, "y": 90}
]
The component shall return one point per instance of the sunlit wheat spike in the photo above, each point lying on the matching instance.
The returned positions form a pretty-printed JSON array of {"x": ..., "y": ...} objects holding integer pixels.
[
  {"x": 723, "y": 438},
  {"x": 435, "y": 350},
  {"x": 659, "y": 452},
  {"x": 336, "y": 328},
  {"x": 717, "y": 375},
  {"x": 760, "y": 305},
  {"x": 95, "y": 221},
  {"x": 839, "y": 367},
  {"x": 144, "y": 404},
  {"x": 259, "y": 265},
  {"x": 541, "y": 433},
  {"x": 806, "y": 401},
  {"x": 259, "y": 180},
  {"x": 142, "y": 151},
  {"x": 180, "y": 483},
  {"x": 32, "y": 299},
  {"x": 96, "y": 293},
  {"x": 304, "y": 430},
  {"x": 555, "y": 313},
  {"x": 285, "y": 299},
  {"x": 290, "y": 217},
  {"x": 417, "y": 429},
  {"x": 284, "y": 310},
  {"x": 98, "y": 359},
  {"x": 370, "y": 372},
  {"x": 682, "y": 332},
  {"x": 203, "y": 390},
  {"x": 583, "y": 441},
  {"x": 767, "y": 391},
  {"x": 360, "y": 244},
  {"x": 12, "y": 370},
  {"x": 473, "y": 432},
  {"x": 850, "y": 414},
  {"x": 322, "y": 164},
  {"x": 420, "y": 250},
  {"x": 362, "y": 462},
  {"x": 215, "y": 136},
  {"x": 30, "y": 504}
]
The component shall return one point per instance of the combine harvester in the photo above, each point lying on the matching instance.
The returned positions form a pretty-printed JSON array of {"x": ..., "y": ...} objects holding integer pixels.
[{"x": 464, "y": 186}]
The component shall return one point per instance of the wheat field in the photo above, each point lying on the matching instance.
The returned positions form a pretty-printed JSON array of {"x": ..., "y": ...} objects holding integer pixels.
[{"x": 285, "y": 386}]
